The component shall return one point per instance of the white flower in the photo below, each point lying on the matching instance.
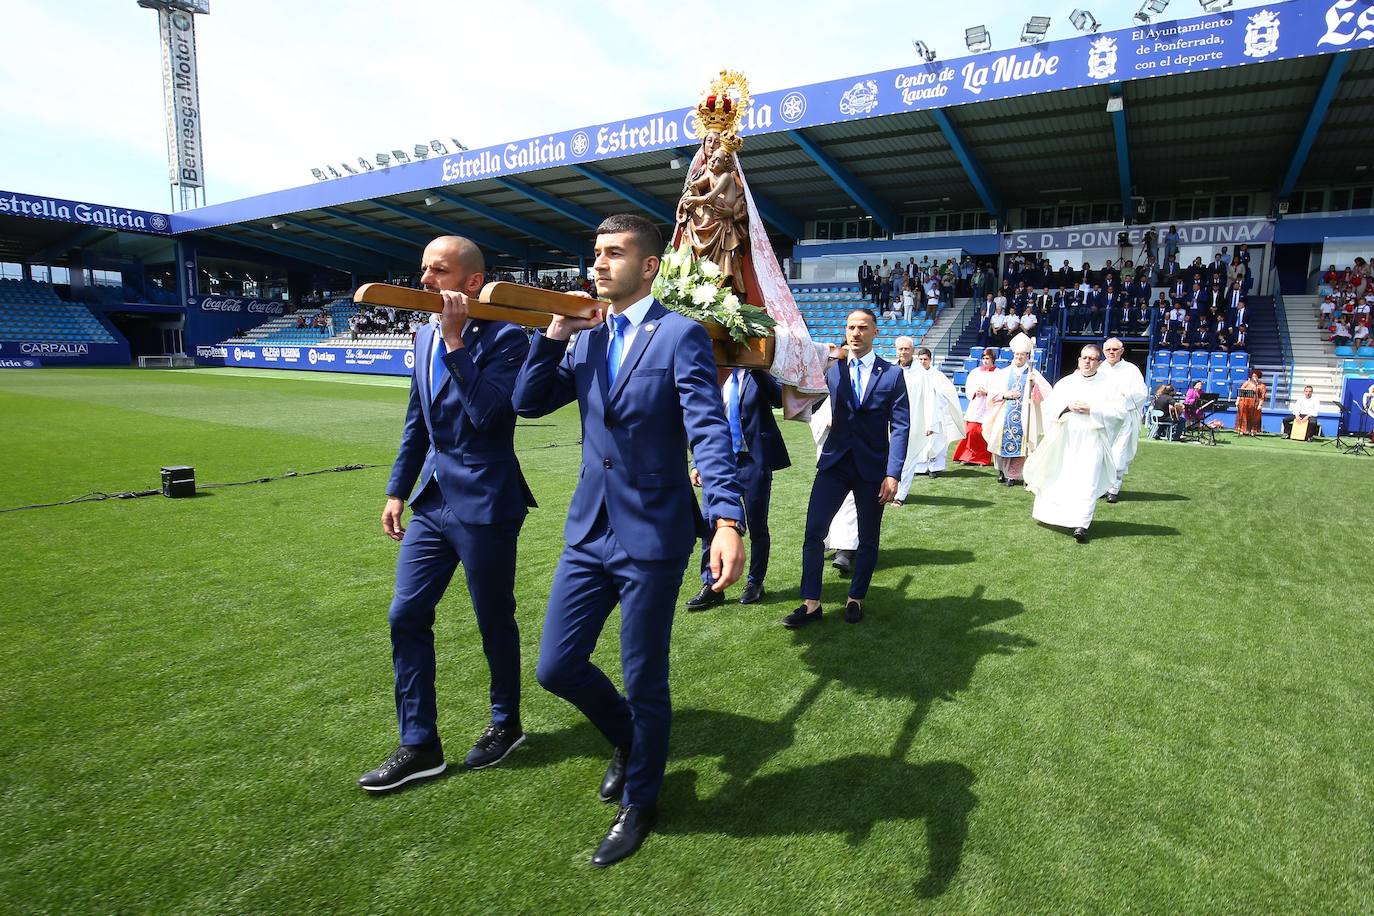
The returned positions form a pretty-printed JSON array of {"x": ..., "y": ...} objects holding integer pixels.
[
  {"x": 730, "y": 303},
  {"x": 704, "y": 294},
  {"x": 684, "y": 285},
  {"x": 674, "y": 263},
  {"x": 709, "y": 268}
]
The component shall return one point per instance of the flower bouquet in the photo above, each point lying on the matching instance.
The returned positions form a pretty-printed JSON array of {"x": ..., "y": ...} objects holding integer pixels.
[{"x": 742, "y": 334}]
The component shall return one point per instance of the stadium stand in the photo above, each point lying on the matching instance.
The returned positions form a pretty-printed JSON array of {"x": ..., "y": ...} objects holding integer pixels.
[
  {"x": 824, "y": 307},
  {"x": 32, "y": 310}
]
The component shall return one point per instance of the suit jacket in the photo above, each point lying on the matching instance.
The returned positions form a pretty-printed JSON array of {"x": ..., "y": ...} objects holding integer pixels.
[
  {"x": 875, "y": 434},
  {"x": 637, "y": 432},
  {"x": 464, "y": 436},
  {"x": 759, "y": 393}
]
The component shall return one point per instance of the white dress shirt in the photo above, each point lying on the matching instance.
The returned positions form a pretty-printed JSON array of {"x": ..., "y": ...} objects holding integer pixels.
[
  {"x": 865, "y": 372},
  {"x": 636, "y": 315}
]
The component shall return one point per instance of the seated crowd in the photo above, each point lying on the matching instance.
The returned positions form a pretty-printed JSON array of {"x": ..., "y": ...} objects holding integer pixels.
[
  {"x": 905, "y": 289},
  {"x": 1344, "y": 311},
  {"x": 1202, "y": 306}
]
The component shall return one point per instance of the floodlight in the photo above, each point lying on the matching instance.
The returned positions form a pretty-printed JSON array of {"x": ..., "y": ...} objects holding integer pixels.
[
  {"x": 1033, "y": 32},
  {"x": 383, "y": 160},
  {"x": 438, "y": 147},
  {"x": 367, "y": 166},
  {"x": 431, "y": 200},
  {"x": 458, "y": 146},
  {"x": 347, "y": 168},
  {"x": 1214, "y": 6},
  {"x": 924, "y": 51},
  {"x": 399, "y": 155},
  {"x": 1084, "y": 21},
  {"x": 277, "y": 224},
  {"x": 977, "y": 38},
  {"x": 421, "y": 151},
  {"x": 675, "y": 163},
  {"x": 1150, "y": 9},
  {"x": 333, "y": 171},
  {"x": 319, "y": 176},
  {"x": 1116, "y": 103}
]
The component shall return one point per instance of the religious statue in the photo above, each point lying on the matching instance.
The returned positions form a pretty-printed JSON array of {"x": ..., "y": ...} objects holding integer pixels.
[{"x": 713, "y": 218}]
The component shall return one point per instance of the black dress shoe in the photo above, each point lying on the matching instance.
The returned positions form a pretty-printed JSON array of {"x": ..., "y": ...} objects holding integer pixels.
[
  {"x": 800, "y": 617},
  {"x": 406, "y": 764},
  {"x": 753, "y": 593},
  {"x": 631, "y": 825},
  {"x": 705, "y": 599},
  {"x": 934, "y": 474},
  {"x": 1001, "y": 478},
  {"x": 1080, "y": 535},
  {"x": 1112, "y": 497},
  {"x": 614, "y": 781},
  {"x": 853, "y": 611},
  {"x": 495, "y": 745},
  {"x": 844, "y": 562}
]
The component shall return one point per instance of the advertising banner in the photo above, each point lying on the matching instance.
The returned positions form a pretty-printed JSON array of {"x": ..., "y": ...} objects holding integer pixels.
[
  {"x": 181, "y": 93},
  {"x": 1298, "y": 28},
  {"x": 75, "y": 211},
  {"x": 62, "y": 353},
  {"x": 212, "y": 319},
  {"x": 363, "y": 360}
]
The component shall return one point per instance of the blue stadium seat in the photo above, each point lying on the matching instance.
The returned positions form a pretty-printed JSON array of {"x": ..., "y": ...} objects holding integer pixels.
[
  {"x": 1179, "y": 359},
  {"x": 1240, "y": 359},
  {"x": 1003, "y": 362},
  {"x": 1239, "y": 373},
  {"x": 1218, "y": 360},
  {"x": 1004, "y": 353},
  {"x": 1350, "y": 366},
  {"x": 1345, "y": 351},
  {"x": 1199, "y": 360},
  {"x": 975, "y": 352},
  {"x": 1162, "y": 357},
  {"x": 1365, "y": 352},
  {"x": 1179, "y": 379},
  {"x": 1216, "y": 379},
  {"x": 1368, "y": 367},
  {"x": 960, "y": 378}
]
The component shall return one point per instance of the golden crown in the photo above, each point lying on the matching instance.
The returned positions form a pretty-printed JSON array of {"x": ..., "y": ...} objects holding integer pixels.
[{"x": 722, "y": 109}]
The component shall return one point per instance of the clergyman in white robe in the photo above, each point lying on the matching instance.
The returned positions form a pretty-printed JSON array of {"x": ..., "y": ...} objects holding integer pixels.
[
  {"x": 935, "y": 420},
  {"x": 1073, "y": 465},
  {"x": 1130, "y": 385},
  {"x": 844, "y": 527}
]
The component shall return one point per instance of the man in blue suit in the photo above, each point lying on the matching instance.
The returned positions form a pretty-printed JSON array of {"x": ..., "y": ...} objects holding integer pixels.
[
  {"x": 749, "y": 397},
  {"x": 644, "y": 380},
  {"x": 863, "y": 455},
  {"x": 468, "y": 506}
]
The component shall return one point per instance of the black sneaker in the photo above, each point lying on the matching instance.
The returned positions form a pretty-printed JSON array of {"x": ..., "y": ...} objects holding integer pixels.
[
  {"x": 800, "y": 618},
  {"x": 494, "y": 746},
  {"x": 406, "y": 764}
]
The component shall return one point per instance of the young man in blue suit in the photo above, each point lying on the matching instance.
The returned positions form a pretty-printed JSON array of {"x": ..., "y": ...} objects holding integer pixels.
[
  {"x": 749, "y": 397},
  {"x": 644, "y": 380},
  {"x": 468, "y": 506},
  {"x": 863, "y": 455}
]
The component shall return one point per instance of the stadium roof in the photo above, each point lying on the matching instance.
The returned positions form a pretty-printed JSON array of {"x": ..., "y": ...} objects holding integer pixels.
[{"x": 1250, "y": 104}]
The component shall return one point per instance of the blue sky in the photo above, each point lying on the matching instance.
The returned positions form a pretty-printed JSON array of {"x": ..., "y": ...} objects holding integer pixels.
[{"x": 287, "y": 85}]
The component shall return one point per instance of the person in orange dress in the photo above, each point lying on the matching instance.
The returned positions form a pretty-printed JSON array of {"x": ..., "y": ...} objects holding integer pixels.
[{"x": 1249, "y": 409}]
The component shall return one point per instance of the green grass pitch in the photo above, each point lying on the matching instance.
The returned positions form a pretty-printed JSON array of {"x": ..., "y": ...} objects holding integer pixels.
[{"x": 1175, "y": 717}]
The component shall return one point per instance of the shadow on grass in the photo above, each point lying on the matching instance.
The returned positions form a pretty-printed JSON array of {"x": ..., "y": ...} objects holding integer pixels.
[
  {"x": 1115, "y": 529},
  {"x": 1134, "y": 496},
  {"x": 918, "y": 649},
  {"x": 972, "y": 471},
  {"x": 915, "y": 499},
  {"x": 896, "y": 558}
]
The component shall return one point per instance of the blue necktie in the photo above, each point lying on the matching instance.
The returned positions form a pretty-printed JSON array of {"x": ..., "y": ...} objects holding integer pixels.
[
  {"x": 437, "y": 370},
  {"x": 617, "y": 348},
  {"x": 856, "y": 368},
  {"x": 732, "y": 412}
]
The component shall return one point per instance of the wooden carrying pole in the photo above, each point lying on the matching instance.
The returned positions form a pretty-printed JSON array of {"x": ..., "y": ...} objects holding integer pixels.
[{"x": 530, "y": 307}]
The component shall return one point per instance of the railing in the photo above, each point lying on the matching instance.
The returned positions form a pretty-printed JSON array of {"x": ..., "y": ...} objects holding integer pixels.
[
  {"x": 1285, "y": 344},
  {"x": 949, "y": 334}
]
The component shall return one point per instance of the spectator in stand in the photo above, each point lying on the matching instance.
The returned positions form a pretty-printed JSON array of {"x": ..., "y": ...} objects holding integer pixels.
[
  {"x": 1012, "y": 326},
  {"x": 1240, "y": 334},
  {"x": 1000, "y": 300},
  {"x": 908, "y": 299},
  {"x": 997, "y": 326},
  {"x": 1360, "y": 335},
  {"x": 896, "y": 284},
  {"x": 1327, "y": 311},
  {"x": 1221, "y": 335},
  {"x": 1029, "y": 322},
  {"x": 932, "y": 305}
]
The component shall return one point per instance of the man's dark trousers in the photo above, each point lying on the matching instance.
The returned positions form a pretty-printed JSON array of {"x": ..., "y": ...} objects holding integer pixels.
[{"x": 435, "y": 541}]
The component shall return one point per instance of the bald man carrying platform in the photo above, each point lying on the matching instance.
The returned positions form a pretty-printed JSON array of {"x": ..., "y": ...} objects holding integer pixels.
[{"x": 468, "y": 507}]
